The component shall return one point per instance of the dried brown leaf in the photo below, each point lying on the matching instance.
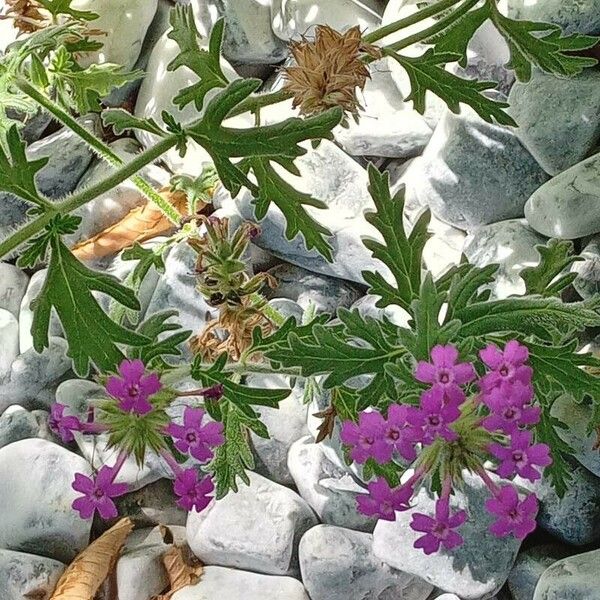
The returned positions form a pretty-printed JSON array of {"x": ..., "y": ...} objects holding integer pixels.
[
  {"x": 183, "y": 569},
  {"x": 87, "y": 572},
  {"x": 327, "y": 425}
]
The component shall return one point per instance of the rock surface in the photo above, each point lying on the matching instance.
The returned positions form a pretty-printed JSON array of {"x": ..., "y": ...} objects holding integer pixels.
[
  {"x": 9, "y": 334},
  {"x": 21, "y": 424},
  {"x": 13, "y": 283},
  {"x": 25, "y": 576},
  {"x": 574, "y": 16},
  {"x": 587, "y": 282}
]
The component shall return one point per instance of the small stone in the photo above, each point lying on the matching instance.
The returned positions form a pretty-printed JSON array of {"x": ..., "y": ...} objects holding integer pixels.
[
  {"x": 13, "y": 283},
  {"x": 574, "y": 577},
  {"x": 573, "y": 16},
  {"x": 567, "y": 206},
  {"x": 529, "y": 567},
  {"x": 285, "y": 425},
  {"x": 292, "y": 19},
  {"x": 473, "y": 173},
  {"x": 338, "y": 564},
  {"x": 22, "y": 424},
  {"x": 476, "y": 569},
  {"x": 558, "y": 118},
  {"x": 26, "y": 576},
  {"x": 509, "y": 244},
  {"x": 37, "y": 515},
  {"x": 9, "y": 334},
  {"x": 444, "y": 249},
  {"x": 587, "y": 282},
  {"x": 75, "y": 393},
  {"x": 323, "y": 293},
  {"x": 218, "y": 583},
  {"x": 258, "y": 528},
  {"x": 330, "y": 490}
]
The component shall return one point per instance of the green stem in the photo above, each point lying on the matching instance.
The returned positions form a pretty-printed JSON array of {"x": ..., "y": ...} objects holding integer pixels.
[
  {"x": 271, "y": 313},
  {"x": 258, "y": 102},
  {"x": 99, "y": 147},
  {"x": 413, "y": 19}
]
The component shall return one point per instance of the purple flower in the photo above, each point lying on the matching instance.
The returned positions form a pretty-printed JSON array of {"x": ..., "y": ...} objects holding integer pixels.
[
  {"x": 61, "y": 424},
  {"x": 193, "y": 493},
  {"x": 399, "y": 433},
  {"x": 444, "y": 372},
  {"x": 509, "y": 406},
  {"x": 434, "y": 416},
  {"x": 507, "y": 365},
  {"x": 512, "y": 516},
  {"x": 195, "y": 438},
  {"x": 97, "y": 493},
  {"x": 521, "y": 458},
  {"x": 367, "y": 438},
  {"x": 382, "y": 501},
  {"x": 438, "y": 531},
  {"x": 133, "y": 388},
  {"x": 214, "y": 392}
]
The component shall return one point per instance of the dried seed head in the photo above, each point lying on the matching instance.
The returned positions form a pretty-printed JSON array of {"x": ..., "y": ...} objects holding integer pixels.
[
  {"x": 328, "y": 71},
  {"x": 28, "y": 15}
]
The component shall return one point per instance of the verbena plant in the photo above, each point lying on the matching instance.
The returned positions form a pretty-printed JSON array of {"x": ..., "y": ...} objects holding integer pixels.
[{"x": 422, "y": 414}]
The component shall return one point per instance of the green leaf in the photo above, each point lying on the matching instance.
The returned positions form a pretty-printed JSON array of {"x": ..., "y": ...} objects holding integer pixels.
[
  {"x": 427, "y": 73},
  {"x": 147, "y": 258},
  {"x": 121, "y": 121},
  {"x": 402, "y": 254},
  {"x": 548, "y": 278},
  {"x": 91, "y": 335},
  {"x": 465, "y": 286},
  {"x": 197, "y": 189},
  {"x": 63, "y": 7},
  {"x": 542, "y": 45},
  {"x": 206, "y": 64},
  {"x": 17, "y": 173}
]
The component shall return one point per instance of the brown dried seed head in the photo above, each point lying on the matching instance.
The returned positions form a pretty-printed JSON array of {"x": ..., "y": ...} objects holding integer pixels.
[
  {"x": 28, "y": 15},
  {"x": 328, "y": 71}
]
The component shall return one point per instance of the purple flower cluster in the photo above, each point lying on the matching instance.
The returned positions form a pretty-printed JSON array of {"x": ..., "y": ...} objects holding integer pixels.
[
  {"x": 501, "y": 400},
  {"x": 132, "y": 393}
]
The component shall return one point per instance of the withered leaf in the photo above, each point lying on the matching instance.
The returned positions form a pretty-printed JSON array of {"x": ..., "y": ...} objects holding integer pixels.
[
  {"x": 183, "y": 569},
  {"x": 327, "y": 424}
]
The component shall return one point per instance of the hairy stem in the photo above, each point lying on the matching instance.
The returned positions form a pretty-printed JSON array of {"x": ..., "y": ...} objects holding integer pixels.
[{"x": 99, "y": 147}]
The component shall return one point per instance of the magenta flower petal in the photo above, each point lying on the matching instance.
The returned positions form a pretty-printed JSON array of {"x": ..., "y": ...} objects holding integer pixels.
[
  {"x": 492, "y": 356},
  {"x": 83, "y": 484},
  {"x": 192, "y": 417},
  {"x": 134, "y": 388},
  {"x": 131, "y": 370},
  {"x": 193, "y": 437},
  {"x": 61, "y": 424},
  {"x": 97, "y": 494},
  {"x": 193, "y": 493},
  {"x": 512, "y": 515},
  {"x": 444, "y": 356},
  {"x": 383, "y": 501},
  {"x": 439, "y": 531},
  {"x": 367, "y": 439},
  {"x": 150, "y": 384},
  {"x": 425, "y": 372}
]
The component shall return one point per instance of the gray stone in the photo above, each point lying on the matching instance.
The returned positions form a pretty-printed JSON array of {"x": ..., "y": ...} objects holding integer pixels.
[
  {"x": 75, "y": 393},
  {"x": 323, "y": 293},
  {"x": 258, "y": 528},
  {"x": 477, "y": 569},
  {"x": 529, "y": 567},
  {"x": 510, "y": 244},
  {"x": 559, "y": 121},
  {"x": 285, "y": 425},
  {"x": 444, "y": 249},
  {"x": 218, "y": 583},
  {"x": 329, "y": 489},
  {"x": 574, "y": 16},
  {"x": 574, "y": 518},
  {"x": 576, "y": 416},
  {"x": 22, "y": 424},
  {"x": 473, "y": 173},
  {"x": 33, "y": 375},
  {"x": 575, "y": 577},
  {"x": 587, "y": 282},
  {"x": 9, "y": 334},
  {"x": 37, "y": 515},
  {"x": 292, "y": 19},
  {"x": 566, "y": 207},
  {"x": 25, "y": 576},
  {"x": 338, "y": 564},
  {"x": 13, "y": 283},
  {"x": 68, "y": 158}
]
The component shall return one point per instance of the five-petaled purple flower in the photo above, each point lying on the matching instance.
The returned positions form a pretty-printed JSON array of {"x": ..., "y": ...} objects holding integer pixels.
[
  {"x": 61, "y": 424},
  {"x": 434, "y": 416},
  {"x": 367, "y": 438},
  {"x": 383, "y": 501},
  {"x": 512, "y": 515},
  {"x": 193, "y": 493},
  {"x": 438, "y": 530},
  {"x": 399, "y": 433},
  {"x": 509, "y": 406},
  {"x": 98, "y": 493},
  {"x": 521, "y": 458},
  {"x": 133, "y": 388},
  {"x": 195, "y": 438},
  {"x": 444, "y": 372},
  {"x": 507, "y": 365}
]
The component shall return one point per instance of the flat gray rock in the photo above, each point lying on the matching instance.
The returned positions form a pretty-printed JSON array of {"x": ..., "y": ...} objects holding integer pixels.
[
  {"x": 257, "y": 529},
  {"x": 558, "y": 119},
  {"x": 575, "y": 577},
  {"x": 22, "y": 424},
  {"x": 587, "y": 282},
  {"x": 24, "y": 576},
  {"x": 13, "y": 283},
  {"x": 478, "y": 569},
  {"x": 37, "y": 515},
  {"x": 338, "y": 564},
  {"x": 568, "y": 206},
  {"x": 9, "y": 334}
]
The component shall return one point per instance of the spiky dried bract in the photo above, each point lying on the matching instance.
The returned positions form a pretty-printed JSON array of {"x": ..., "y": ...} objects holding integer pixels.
[
  {"x": 28, "y": 15},
  {"x": 329, "y": 70}
]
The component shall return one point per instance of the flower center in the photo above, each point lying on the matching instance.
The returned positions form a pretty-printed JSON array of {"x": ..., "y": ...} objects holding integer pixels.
[
  {"x": 190, "y": 437},
  {"x": 518, "y": 456},
  {"x": 510, "y": 413},
  {"x": 133, "y": 390},
  {"x": 98, "y": 493},
  {"x": 444, "y": 377},
  {"x": 513, "y": 514},
  {"x": 394, "y": 434},
  {"x": 434, "y": 420},
  {"x": 386, "y": 507},
  {"x": 440, "y": 530},
  {"x": 367, "y": 440},
  {"x": 504, "y": 370}
]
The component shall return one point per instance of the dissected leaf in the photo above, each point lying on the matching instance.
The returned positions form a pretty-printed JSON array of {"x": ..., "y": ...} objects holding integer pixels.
[
  {"x": 63, "y": 7},
  {"x": 428, "y": 73},
  {"x": 465, "y": 286},
  {"x": 402, "y": 254},
  {"x": 183, "y": 569},
  {"x": 92, "y": 336},
  {"x": 84, "y": 576},
  {"x": 121, "y": 121}
]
